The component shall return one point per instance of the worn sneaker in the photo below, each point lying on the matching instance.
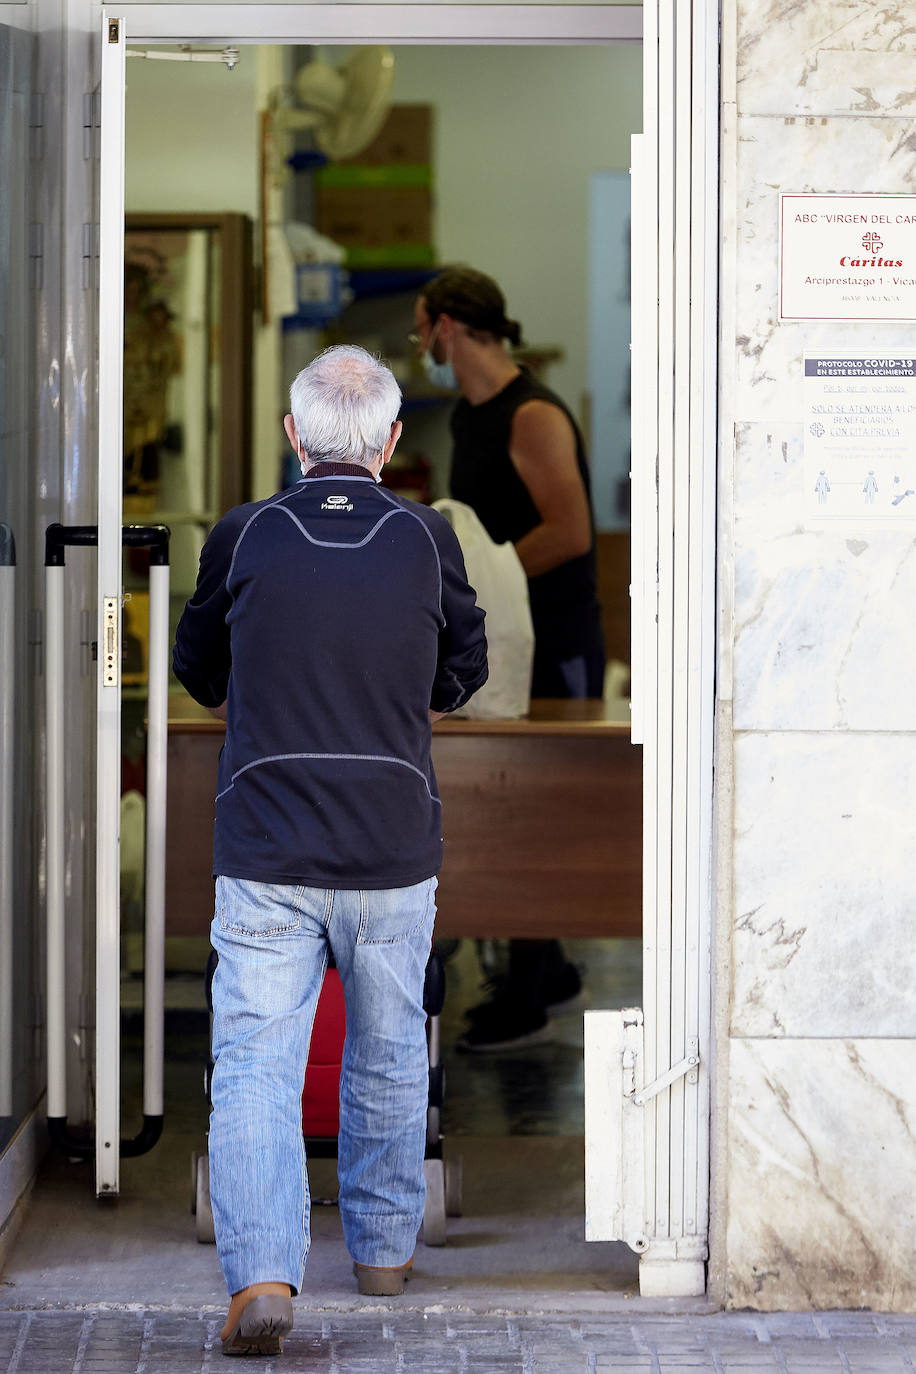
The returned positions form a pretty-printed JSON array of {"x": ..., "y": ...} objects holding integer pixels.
[
  {"x": 385, "y": 1282},
  {"x": 497, "y": 989},
  {"x": 504, "y": 1024},
  {"x": 564, "y": 991}
]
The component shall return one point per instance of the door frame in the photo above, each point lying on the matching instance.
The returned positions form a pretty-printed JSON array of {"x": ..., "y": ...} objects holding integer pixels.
[
  {"x": 674, "y": 450},
  {"x": 473, "y": 24},
  {"x": 674, "y": 574}
]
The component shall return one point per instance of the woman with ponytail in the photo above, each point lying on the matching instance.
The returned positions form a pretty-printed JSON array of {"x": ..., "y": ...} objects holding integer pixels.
[{"x": 518, "y": 460}]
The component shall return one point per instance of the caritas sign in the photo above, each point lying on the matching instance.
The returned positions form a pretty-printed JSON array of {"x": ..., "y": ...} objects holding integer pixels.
[{"x": 847, "y": 257}]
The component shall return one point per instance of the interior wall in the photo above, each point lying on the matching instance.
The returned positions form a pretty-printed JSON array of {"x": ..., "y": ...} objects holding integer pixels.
[
  {"x": 191, "y": 136},
  {"x": 518, "y": 132}
]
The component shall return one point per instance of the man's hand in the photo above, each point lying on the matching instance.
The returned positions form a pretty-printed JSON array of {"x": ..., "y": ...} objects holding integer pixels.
[
  {"x": 437, "y": 715},
  {"x": 218, "y": 711}
]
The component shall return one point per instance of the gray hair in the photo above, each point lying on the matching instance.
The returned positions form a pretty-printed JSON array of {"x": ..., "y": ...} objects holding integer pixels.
[{"x": 344, "y": 404}]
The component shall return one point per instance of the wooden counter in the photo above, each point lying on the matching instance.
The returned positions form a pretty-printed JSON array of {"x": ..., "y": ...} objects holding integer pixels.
[{"x": 542, "y": 822}]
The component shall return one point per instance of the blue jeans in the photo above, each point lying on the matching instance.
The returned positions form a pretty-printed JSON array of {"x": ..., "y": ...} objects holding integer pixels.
[{"x": 273, "y": 942}]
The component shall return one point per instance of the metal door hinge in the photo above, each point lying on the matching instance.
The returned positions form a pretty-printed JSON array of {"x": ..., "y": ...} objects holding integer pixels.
[
  {"x": 688, "y": 1066},
  {"x": 88, "y": 645},
  {"x": 37, "y": 126},
  {"x": 90, "y": 256},
  {"x": 36, "y": 641},
  {"x": 92, "y": 122},
  {"x": 36, "y": 1024},
  {"x": 36, "y": 254}
]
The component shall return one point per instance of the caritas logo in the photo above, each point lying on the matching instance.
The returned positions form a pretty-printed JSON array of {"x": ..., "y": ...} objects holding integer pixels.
[{"x": 872, "y": 243}]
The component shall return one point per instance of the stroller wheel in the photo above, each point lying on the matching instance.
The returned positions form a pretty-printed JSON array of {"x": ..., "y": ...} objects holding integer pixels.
[
  {"x": 195, "y": 1156},
  {"x": 453, "y": 1178},
  {"x": 434, "y": 1208},
  {"x": 205, "y": 1232}
]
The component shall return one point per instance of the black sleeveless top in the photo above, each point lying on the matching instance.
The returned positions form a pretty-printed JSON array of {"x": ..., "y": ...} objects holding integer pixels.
[{"x": 564, "y": 603}]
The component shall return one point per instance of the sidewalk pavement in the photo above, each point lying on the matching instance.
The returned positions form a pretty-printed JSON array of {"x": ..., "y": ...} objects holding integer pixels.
[{"x": 377, "y": 1338}]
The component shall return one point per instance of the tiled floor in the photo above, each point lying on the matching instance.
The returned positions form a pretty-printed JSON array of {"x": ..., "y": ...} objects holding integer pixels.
[{"x": 430, "y": 1342}]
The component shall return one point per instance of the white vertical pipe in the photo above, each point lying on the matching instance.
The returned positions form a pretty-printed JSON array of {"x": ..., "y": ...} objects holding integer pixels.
[
  {"x": 156, "y": 755},
  {"x": 8, "y": 686},
  {"x": 651, "y": 797},
  {"x": 110, "y": 480},
  {"x": 55, "y": 699},
  {"x": 687, "y": 240},
  {"x": 704, "y": 325},
  {"x": 659, "y": 1042}
]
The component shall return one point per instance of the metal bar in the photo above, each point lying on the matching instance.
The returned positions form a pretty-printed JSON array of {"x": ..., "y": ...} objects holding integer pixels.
[
  {"x": 57, "y": 539},
  {"x": 156, "y": 756},
  {"x": 665, "y": 1080},
  {"x": 8, "y": 683},
  {"x": 111, "y": 354},
  {"x": 55, "y": 900}
]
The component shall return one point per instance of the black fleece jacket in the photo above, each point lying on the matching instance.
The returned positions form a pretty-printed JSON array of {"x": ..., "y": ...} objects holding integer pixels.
[{"x": 330, "y": 618}]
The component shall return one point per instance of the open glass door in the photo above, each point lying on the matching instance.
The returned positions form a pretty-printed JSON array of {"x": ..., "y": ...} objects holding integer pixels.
[
  {"x": 107, "y": 537},
  {"x": 108, "y": 795},
  {"x": 113, "y": 537}
]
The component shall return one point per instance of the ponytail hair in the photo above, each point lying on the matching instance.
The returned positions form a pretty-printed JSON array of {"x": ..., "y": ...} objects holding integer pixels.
[{"x": 473, "y": 298}]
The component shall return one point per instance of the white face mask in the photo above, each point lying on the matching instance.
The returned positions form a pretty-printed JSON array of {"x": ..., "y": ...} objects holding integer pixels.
[{"x": 438, "y": 374}]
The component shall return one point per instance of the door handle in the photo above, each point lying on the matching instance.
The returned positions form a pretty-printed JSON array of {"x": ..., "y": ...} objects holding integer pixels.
[{"x": 57, "y": 539}]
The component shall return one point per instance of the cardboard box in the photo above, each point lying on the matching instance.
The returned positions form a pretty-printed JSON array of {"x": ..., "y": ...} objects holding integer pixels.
[
  {"x": 371, "y": 217},
  {"x": 406, "y": 136},
  {"x": 393, "y": 175}
]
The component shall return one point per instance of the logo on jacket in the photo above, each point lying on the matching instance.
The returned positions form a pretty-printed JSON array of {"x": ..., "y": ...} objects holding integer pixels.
[{"x": 337, "y": 503}]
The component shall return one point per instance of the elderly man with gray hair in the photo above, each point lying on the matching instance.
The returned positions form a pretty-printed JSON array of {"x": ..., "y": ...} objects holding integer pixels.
[{"x": 330, "y": 625}]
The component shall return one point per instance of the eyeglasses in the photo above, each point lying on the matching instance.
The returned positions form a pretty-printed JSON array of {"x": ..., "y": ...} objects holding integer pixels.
[{"x": 431, "y": 327}]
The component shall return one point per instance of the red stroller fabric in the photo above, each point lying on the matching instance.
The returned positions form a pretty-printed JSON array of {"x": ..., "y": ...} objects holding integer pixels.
[{"x": 321, "y": 1090}]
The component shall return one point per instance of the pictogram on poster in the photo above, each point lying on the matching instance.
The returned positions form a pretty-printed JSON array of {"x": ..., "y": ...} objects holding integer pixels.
[
  {"x": 847, "y": 257},
  {"x": 860, "y": 440}
]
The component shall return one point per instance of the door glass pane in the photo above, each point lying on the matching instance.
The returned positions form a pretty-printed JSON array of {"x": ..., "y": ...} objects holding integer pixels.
[
  {"x": 172, "y": 381},
  {"x": 18, "y": 761}
]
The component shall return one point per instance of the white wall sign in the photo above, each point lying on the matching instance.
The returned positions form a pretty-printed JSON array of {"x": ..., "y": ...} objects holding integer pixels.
[
  {"x": 860, "y": 440},
  {"x": 847, "y": 257}
]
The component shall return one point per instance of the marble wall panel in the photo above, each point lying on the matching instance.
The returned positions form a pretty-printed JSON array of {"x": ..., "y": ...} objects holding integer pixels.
[
  {"x": 823, "y": 630},
  {"x": 821, "y": 1160},
  {"x": 824, "y": 855},
  {"x": 826, "y": 156},
  {"x": 817, "y": 57}
]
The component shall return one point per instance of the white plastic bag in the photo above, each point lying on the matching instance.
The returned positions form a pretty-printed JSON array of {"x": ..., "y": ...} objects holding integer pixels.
[{"x": 495, "y": 573}]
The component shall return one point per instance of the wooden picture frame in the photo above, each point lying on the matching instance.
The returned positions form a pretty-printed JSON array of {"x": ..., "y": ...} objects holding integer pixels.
[{"x": 232, "y": 233}]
